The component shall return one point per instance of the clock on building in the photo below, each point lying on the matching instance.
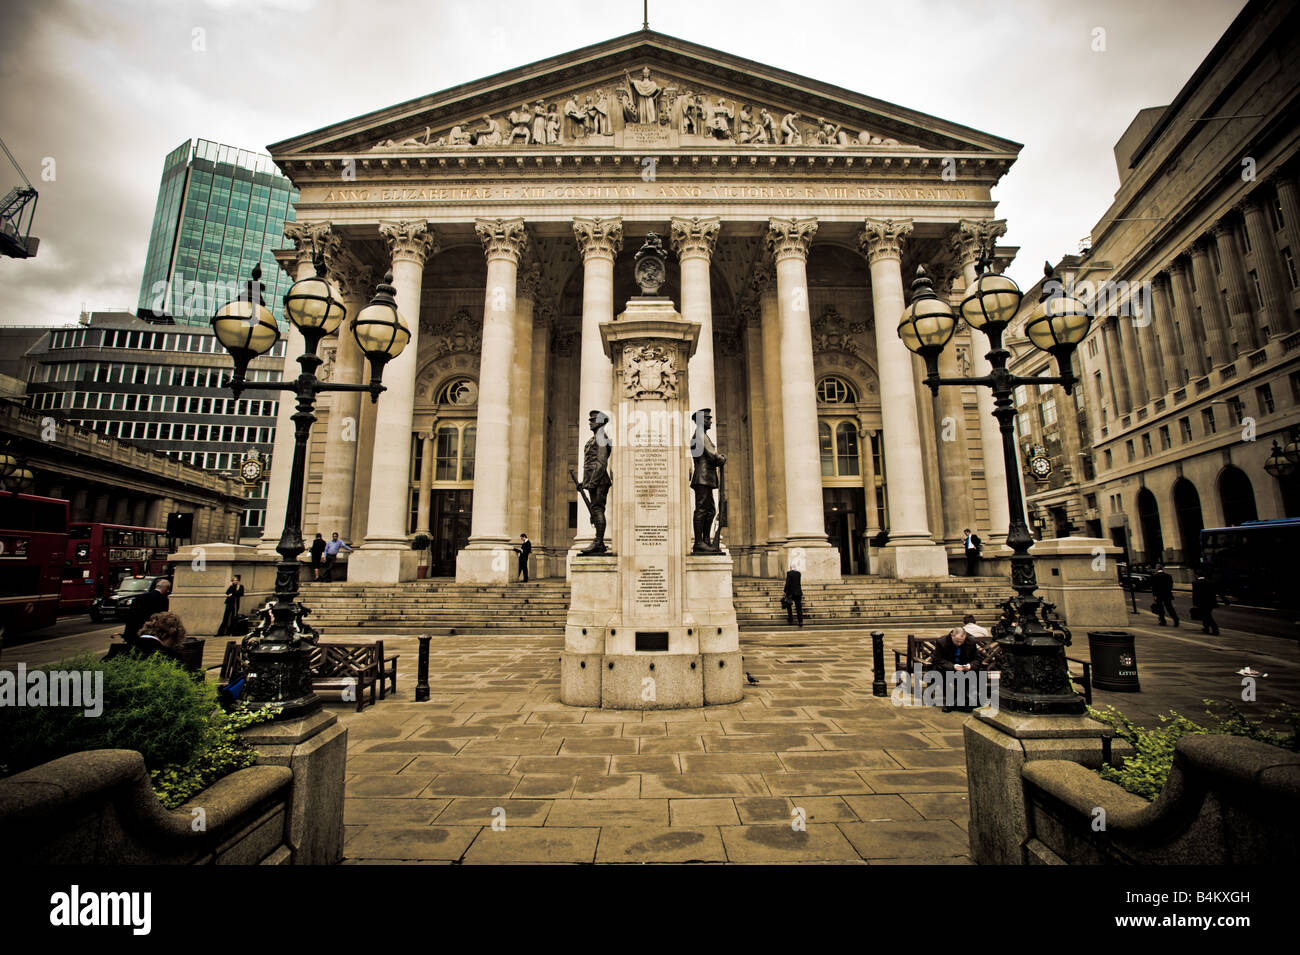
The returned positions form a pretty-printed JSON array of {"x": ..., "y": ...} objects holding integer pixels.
[
  {"x": 1040, "y": 465},
  {"x": 251, "y": 468}
]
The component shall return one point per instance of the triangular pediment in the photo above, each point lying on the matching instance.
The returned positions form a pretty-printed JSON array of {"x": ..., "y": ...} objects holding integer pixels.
[{"x": 645, "y": 91}]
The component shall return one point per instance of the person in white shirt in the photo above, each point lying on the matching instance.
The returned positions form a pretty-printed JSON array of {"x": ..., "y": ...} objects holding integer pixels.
[{"x": 973, "y": 629}]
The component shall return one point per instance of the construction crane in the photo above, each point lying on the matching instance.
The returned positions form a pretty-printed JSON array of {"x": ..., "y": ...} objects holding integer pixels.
[{"x": 17, "y": 210}]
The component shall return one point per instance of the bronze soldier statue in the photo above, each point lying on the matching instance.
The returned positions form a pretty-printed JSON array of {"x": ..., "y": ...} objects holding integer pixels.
[
  {"x": 596, "y": 478},
  {"x": 704, "y": 478}
]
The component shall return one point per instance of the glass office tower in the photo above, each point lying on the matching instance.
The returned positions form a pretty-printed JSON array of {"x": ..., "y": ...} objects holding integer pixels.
[{"x": 220, "y": 211}]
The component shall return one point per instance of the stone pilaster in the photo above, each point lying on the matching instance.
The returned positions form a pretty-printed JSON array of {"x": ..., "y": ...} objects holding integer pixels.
[
  {"x": 522, "y": 396},
  {"x": 537, "y": 427},
  {"x": 599, "y": 240},
  {"x": 487, "y": 558},
  {"x": 911, "y": 552},
  {"x": 1171, "y": 340},
  {"x": 806, "y": 547},
  {"x": 769, "y": 315},
  {"x": 385, "y": 557},
  {"x": 757, "y": 431}
]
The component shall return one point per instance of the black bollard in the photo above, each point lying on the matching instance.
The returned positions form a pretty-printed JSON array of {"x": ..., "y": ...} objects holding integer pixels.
[
  {"x": 878, "y": 685},
  {"x": 422, "y": 680}
]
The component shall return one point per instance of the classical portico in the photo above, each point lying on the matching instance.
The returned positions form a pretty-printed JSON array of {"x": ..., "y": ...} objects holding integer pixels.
[{"x": 797, "y": 213}]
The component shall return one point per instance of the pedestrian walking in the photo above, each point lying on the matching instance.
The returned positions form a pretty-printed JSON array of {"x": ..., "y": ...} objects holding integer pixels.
[
  {"x": 1162, "y": 593},
  {"x": 792, "y": 596},
  {"x": 332, "y": 548},
  {"x": 317, "y": 552},
  {"x": 971, "y": 545},
  {"x": 234, "y": 593},
  {"x": 1204, "y": 600},
  {"x": 523, "y": 550}
]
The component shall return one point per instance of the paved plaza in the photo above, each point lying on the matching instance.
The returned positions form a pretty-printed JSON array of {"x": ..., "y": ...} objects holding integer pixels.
[{"x": 494, "y": 769}]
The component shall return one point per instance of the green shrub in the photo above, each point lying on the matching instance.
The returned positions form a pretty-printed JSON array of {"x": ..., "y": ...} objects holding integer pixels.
[
  {"x": 150, "y": 705},
  {"x": 1145, "y": 772}
]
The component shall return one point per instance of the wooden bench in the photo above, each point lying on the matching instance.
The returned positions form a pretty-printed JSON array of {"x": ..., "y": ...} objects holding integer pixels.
[
  {"x": 334, "y": 666},
  {"x": 921, "y": 650}
]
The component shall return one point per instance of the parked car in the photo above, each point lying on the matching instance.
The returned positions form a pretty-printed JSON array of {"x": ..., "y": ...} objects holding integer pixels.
[
  {"x": 116, "y": 605},
  {"x": 1138, "y": 579}
]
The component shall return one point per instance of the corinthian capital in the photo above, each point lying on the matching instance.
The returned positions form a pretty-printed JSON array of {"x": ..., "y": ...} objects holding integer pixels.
[
  {"x": 883, "y": 238},
  {"x": 692, "y": 236},
  {"x": 308, "y": 238},
  {"x": 972, "y": 236},
  {"x": 409, "y": 240},
  {"x": 787, "y": 238},
  {"x": 598, "y": 236},
  {"x": 502, "y": 238}
]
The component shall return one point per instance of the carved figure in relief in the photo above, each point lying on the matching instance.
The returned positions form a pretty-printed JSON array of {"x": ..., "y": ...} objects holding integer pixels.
[
  {"x": 650, "y": 372},
  {"x": 868, "y": 139},
  {"x": 597, "y": 118},
  {"x": 707, "y": 463},
  {"x": 539, "y": 122},
  {"x": 692, "y": 115},
  {"x": 646, "y": 93},
  {"x": 552, "y": 125},
  {"x": 767, "y": 128},
  {"x": 596, "y": 478},
  {"x": 629, "y": 108},
  {"x": 575, "y": 122},
  {"x": 790, "y": 134},
  {"x": 745, "y": 125},
  {"x": 831, "y": 134},
  {"x": 457, "y": 137},
  {"x": 720, "y": 119},
  {"x": 492, "y": 135},
  {"x": 520, "y": 122}
]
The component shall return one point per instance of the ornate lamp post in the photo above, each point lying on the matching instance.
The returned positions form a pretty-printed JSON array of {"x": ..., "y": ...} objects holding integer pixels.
[
  {"x": 279, "y": 647},
  {"x": 1034, "y": 674},
  {"x": 15, "y": 476},
  {"x": 1282, "y": 461}
]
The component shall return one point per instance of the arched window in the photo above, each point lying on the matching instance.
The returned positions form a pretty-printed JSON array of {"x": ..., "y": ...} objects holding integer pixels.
[
  {"x": 459, "y": 391},
  {"x": 833, "y": 390},
  {"x": 846, "y": 448},
  {"x": 828, "y": 449}
]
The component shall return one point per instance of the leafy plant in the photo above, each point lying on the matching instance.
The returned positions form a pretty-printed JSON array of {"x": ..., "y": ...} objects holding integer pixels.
[
  {"x": 1146, "y": 771},
  {"x": 220, "y": 753},
  {"x": 421, "y": 542}
]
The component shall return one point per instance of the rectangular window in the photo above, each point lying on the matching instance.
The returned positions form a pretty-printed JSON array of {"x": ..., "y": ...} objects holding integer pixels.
[
  {"x": 1146, "y": 445},
  {"x": 1047, "y": 412},
  {"x": 1264, "y": 395},
  {"x": 1289, "y": 262},
  {"x": 1254, "y": 284},
  {"x": 1275, "y": 216},
  {"x": 446, "y": 454},
  {"x": 1110, "y": 459},
  {"x": 1236, "y": 409},
  {"x": 1166, "y": 442},
  {"x": 1207, "y": 421},
  {"x": 1130, "y": 450}
]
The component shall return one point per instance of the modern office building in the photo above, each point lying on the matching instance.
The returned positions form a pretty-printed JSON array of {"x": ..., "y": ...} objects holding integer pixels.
[
  {"x": 1192, "y": 368},
  {"x": 220, "y": 211},
  {"x": 159, "y": 387}
]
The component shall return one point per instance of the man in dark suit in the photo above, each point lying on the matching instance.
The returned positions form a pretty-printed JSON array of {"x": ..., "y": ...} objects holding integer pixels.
[
  {"x": 1204, "y": 599},
  {"x": 792, "y": 596},
  {"x": 956, "y": 654},
  {"x": 1162, "y": 593},
  {"x": 971, "y": 545},
  {"x": 523, "y": 550},
  {"x": 706, "y": 460},
  {"x": 152, "y": 601}
]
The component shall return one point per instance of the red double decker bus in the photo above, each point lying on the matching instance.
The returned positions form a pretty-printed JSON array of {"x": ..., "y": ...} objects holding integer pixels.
[
  {"x": 100, "y": 556},
  {"x": 33, "y": 545}
]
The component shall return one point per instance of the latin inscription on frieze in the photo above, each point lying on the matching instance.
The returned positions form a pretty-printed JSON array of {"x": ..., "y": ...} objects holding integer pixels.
[{"x": 642, "y": 190}]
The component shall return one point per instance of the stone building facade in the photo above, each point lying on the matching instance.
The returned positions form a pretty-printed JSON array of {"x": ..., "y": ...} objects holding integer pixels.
[
  {"x": 1192, "y": 369},
  {"x": 508, "y": 210}
]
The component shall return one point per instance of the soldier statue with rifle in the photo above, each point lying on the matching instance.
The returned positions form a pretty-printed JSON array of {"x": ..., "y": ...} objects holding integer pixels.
[
  {"x": 596, "y": 480},
  {"x": 706, "y": 474}
]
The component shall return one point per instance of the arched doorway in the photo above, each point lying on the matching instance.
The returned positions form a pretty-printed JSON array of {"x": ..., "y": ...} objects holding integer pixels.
[
  {"x": 1153, "y": 541},
  {"x": 1187, "y": 509},
  {"x": 1237, "y": 497}
]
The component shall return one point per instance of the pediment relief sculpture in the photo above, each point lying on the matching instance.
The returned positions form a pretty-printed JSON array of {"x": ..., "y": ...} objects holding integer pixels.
[
  {"x": 832, "y": 332},
  {"x": 457, "y": 334},
  {"x": 654, "y": 109}
]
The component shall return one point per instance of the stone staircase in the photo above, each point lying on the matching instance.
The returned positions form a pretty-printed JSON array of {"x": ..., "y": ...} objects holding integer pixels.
[{"x": 442, "y": 607}]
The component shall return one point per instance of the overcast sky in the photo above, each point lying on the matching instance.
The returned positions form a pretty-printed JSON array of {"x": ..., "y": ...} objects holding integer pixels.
[{"x": 105, "y": 88}]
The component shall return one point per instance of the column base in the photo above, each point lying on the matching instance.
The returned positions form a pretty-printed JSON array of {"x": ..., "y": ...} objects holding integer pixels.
[
  {"x": 907, "y": 561},
  {"x": 650, "y": 681},
  {"x": 814, "y": 559},
  {"x": 379, "y": 564},
  {"x": 485, "y": 563}
]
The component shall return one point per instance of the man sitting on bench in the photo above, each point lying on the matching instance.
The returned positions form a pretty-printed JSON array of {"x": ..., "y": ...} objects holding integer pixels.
[{"x": 956, "y": 656}]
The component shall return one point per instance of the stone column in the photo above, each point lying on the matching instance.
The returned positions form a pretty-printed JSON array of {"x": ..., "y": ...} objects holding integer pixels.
[
  {"x": 1288, "y": 195},
  {"x": 77, "y": 508},
  {"x": 1114, "y": 371},
  {"x": 537, "y": 412},
  {"x": 806, "y": 547},
  {"x": 426, "y": 481},
  {"x": 306, "y": 237},
  {"x": 599, "y": 240},
  {"x": 1171, "y": 341},
  {"x": 911, "y": 552},
  {"x": 757, "y": 429},
  {"x": 1278, "y": 313},
  {"x": 386, "y": 557},
  {"x": 1234, "y": 270},
  {"x": 1213, "y": 320},
  {"x": 769, "y": 315},
  {"x": 522, "y": 394},
  {"x": 487, "y": 558},
  {"x": 865, "y": 437},
  {"x": 1133, "y": 370},
  {"x": 971, "y": 234},
  {"x": 1193, "y": 347},
  {"x": 355, "y": 283},
  {"x": 693, "y": 240},
  {"x": 1144, "y": 330}
]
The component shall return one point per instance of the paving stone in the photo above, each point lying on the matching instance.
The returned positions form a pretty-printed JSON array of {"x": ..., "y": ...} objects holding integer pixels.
[
  {"x": 386, "y": 786},
  {"x": 483, "y": 812},
  {"x": 953, "y": 806},
  {"x": 702, "y": 784},
  {"x": 458, "y": 732},
  {"x": 901, "y": 840},
  {"x": 930, "y": 758},
  {"x": 841, "y": 759},
  {"x": 784, "y": 844},
  {"x": 647, "y": 844},
  {"x": 762, "y": 743},
  {"x": 917, "y": 781},
  {"x": 515, "y": 747},
  {"x": 671, "y": 744},
  {"x": 601, "y": 747},
  {"x": 594, "y": 786},
  {"x": 702, "y": 728},
  {"x": 666, "y": 763},
  {"x": 731, "y": 763},
  {"x": 702, "y": 812},
  {"x": 763, "y": 810},
  {"x": 411, "y": 842},
  {"x": 369, "y": 811},
  {"x": 471, "y": 784},
  {"x": 377, "y": 763},
  {"x": 611, "y": 716},
  {"x": 582, "y": 730},
  {"x": 646, "y": 729},
  {"x": 531, "y": 731},
  {"x": 881, "y": 808},
  {"x": 430, "y": 765},
  {"x": 609, "y": 812},
  {"x": 544, "y": 786},
  {"x": 534, "y": 844},
  {"x": 883, "y": 739},
  {"x": 415, "y": 746},
  {"x": 815, "y": 784},
  {"x": 818, "y": 809}
]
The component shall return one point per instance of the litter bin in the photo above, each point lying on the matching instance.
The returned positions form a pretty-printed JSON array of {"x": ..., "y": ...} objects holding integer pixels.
[{"x": 1114, "y": 661}]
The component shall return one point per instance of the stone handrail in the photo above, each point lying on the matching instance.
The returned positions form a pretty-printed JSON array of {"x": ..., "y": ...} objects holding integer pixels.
[
  {"x": 1228, "y": 800},
  {"x": 98, "y": 808}
]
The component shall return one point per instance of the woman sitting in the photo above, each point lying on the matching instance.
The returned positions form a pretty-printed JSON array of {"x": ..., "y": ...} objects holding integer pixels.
[{"x": 162, "y": 633}]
